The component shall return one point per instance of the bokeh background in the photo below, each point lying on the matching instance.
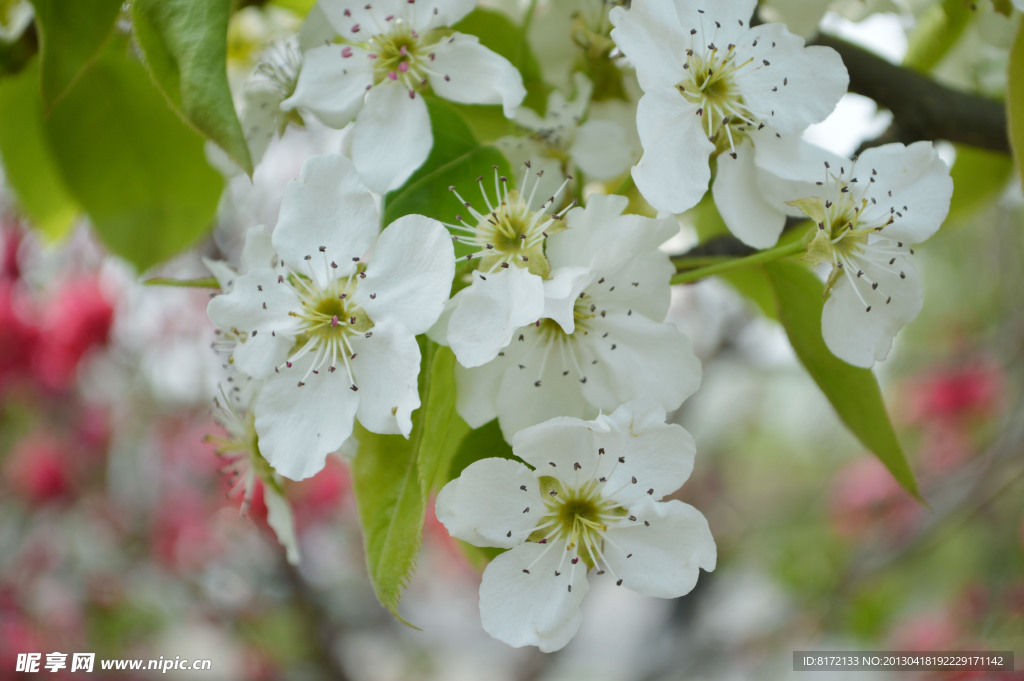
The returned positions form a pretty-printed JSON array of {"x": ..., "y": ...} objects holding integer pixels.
[{"x": 122, "y": 534}]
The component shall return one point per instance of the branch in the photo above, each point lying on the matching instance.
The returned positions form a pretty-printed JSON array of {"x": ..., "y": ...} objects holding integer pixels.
[
  {"x": 323, "y": 632},
  {"x": 922, "y": 109}
]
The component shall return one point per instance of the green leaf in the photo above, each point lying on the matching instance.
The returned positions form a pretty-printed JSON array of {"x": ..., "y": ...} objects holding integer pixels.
[
  {"x": 393, "y": 477},
  {"x": 185, "y": 44},
  {"x": 853, "y": 392},
  {"x": 28, "y": 163},
  {"x": 204, "y": 282},
  {"x": 442, "y": 429},
  {"x": 753, "y": 284},
  {"x": 299, "y": 7},
  {"x": 391, "y": 503},
  {"x": 71, "y": 36},
  {"x": 978, "y": 176},
  {"x": 501, "y": 35},
  {"x": 935, "y": 34},
  {"x": 455, "y": 160},
  {"x": 138, "y": 171},
  {"x": 1015, "y": 99},
  {"x": 707, "y": 220},
  {"x": 482, "y": 443}
]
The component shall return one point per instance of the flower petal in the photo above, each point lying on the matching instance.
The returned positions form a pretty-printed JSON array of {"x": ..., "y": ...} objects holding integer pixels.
[
  {"x": 224, "y": 273},
  {"x": 650, "y": 458},
  {"x": 642, "y": 358},
  {"x": 440, "y": 13},
  {"x": 488, "y": 313},
  {"x": 391, "y": 137},
  {"x": 484, "y": 505},
  {"x": 258, "y": 251},
  {"x": 729, "y": 19},
  {"x": 542, "y": 381},
  {"x": 385, "y": 367},
  {"x": 281, "y": 521},
  {"x": 257, "y": 307},
  {"x": 343, "y": 15},
  {"x": 797, "y": 85},
  {"x": 326, "y": 208},
  {"x": 299, "y": 426},
  {"x": 638, "y": 285},
  {"x": 602, "y": 149},
  {"x": 859, "y": 321},
  {"x": 750, "y": 216},
  {"x": 560, "y": 293},
  {"x": 661, "y": 554},
  {"x": 673, "y": 173},
  {"x": 475, "y": 392},
  {"x": 469, "y": 73},
  {"x": 600, "y": 236},
  {"x": 410, "y": 273},
  {"x": 536, "y": 607},
  {"x": 563, "y": 447},
  {"x": 920, "y": 184},
  {"x": 331, "y": 85},
  {"x": 650, "y": 36}
]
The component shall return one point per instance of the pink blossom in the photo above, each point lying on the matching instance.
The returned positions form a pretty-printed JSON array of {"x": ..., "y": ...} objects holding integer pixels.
[
  {"x": 38, "y": 469},
  {"x": 76, "y": 321}
]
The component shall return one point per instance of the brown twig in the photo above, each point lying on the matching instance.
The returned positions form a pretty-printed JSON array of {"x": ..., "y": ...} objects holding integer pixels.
[{"x": 922, "y": 109}]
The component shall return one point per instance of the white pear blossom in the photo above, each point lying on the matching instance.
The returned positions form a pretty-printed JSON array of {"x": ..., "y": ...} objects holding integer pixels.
[
  {"x": 333, "y": 336},
  {"x": 601, "y": 339},
  {"x": 590, "y": 500},
  {"x": 566, "y": 138},
  {"x": 869, "y": 213},
  {"x": 240, "y": 448},
  {"x": 712, "y": 84},
  {"x": 389, "y": 53},
  {"x": 508, "y": 287},
  {"x": 273, "y": 81}
]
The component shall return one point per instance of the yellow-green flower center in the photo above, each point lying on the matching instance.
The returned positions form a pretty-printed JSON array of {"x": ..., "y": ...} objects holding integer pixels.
[
  {"x": 711, "y": 85},
  {"x": 401, "y": 56},
  {"x": 512, "y": 234},
  {"x": 329, "y": 318},
  {"x": 579, "y": 516}
]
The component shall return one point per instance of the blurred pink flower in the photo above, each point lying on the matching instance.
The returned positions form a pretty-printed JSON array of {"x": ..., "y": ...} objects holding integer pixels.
[
  {"x": 39, "y": 469},
  {"x": 930, "y": 630},
  {"x": 945, "y": 447},
  {"x": 18, "y": 336},
  {"x": 181, "y": 531},
  {"x": 318, "y": 497},
  {"x": 866, "y": 497},
  {"x": 77, "y": 320},
  {"x": 17, "y": 635},
  {"x": 960, "y": 391}
]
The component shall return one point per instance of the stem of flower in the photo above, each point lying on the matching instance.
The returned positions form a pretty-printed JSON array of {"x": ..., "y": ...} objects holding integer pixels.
[
  {"x": 738, "y": 263},
  {"x": 685, "y": 263}
]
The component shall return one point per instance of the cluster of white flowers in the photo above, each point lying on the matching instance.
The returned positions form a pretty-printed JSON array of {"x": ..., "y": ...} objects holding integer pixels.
[{"x": 558, "y": 314}]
